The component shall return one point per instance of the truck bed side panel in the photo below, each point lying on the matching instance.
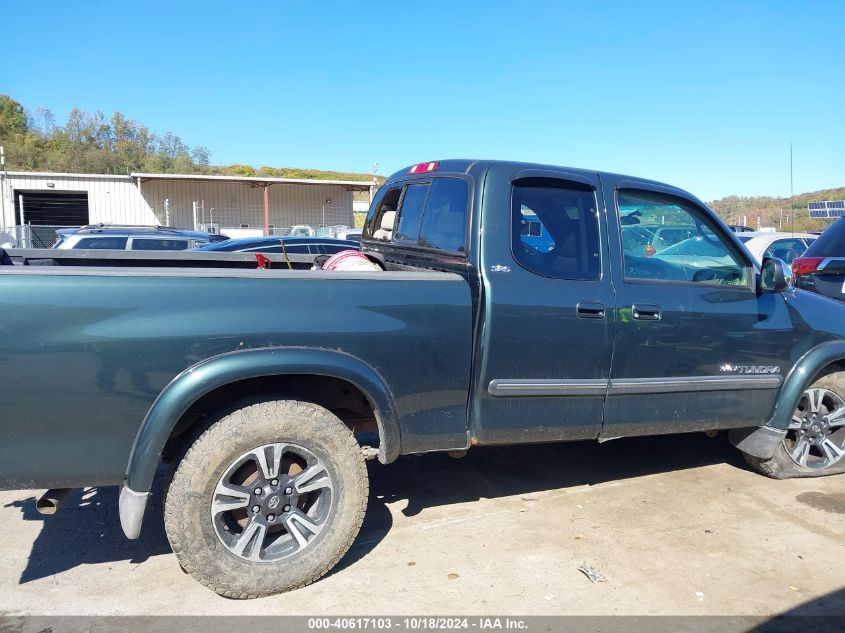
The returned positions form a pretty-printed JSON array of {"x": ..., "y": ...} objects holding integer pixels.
[{"x": 83, "y": 355}]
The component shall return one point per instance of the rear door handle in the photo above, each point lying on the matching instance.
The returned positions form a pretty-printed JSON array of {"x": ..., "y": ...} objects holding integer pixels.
[
  {"x": 646, "y": 312},
  {"x": 590, "y": 310}
]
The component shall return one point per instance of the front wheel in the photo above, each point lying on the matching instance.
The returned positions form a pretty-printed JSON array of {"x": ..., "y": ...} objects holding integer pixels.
[
  {"x": 267, "y": 499},
  {"x": 814, "y": 444}
]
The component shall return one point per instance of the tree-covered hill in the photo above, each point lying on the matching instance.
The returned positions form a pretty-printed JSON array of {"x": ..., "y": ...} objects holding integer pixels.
[
  {"x": 777, "y": 212},
  {"x": 90, "y": 142}
]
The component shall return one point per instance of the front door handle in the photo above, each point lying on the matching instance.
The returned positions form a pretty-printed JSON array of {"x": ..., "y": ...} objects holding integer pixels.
[
  {"x": 646, "y": 312},
  {"x": 590, "y": 310}
]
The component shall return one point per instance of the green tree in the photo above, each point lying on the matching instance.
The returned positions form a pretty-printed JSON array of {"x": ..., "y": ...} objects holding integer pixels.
[
  {"x": 12, "y": 117},
  {"x": 91, "y": 142},
  {"x": 243, "y": 170}
]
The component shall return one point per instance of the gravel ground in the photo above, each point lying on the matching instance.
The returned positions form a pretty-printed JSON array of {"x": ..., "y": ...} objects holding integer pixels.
[{"x": 674, "y": 525}]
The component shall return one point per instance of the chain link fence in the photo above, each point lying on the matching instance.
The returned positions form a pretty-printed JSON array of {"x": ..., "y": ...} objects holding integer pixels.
[
  {"x": 248, "y": 220},
  {"x": 203, "y": 215},
  {"x": 31, "y": 235}
]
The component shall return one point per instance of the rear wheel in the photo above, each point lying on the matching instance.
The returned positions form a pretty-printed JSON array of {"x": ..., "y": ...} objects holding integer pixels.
[
  {"x": 267, "y": 499},
  {"x": 814, "y": 444}
]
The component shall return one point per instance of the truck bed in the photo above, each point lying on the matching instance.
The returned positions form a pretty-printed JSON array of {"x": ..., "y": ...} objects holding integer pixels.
[{"x": 85, "y": 350}]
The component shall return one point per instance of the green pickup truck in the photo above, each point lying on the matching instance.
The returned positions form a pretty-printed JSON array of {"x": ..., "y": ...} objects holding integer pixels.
[{"x": 514, "y": 303}]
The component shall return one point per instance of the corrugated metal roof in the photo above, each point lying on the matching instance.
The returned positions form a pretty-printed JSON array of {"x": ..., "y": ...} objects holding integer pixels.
[
  {"x": 354, "y": 185},
  {"x": 53, "y": 174}
]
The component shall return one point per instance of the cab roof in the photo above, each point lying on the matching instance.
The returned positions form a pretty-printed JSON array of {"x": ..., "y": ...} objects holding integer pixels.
[{"x": 467, "y": 165}]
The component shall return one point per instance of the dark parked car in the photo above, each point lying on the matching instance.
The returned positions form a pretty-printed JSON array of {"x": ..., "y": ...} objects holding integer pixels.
[
  {"x": 293, "y": 245},
  {"x": 133, "y": 238},
  {"x": 822, "y": 267},
  {"x": 267, "y": 389},
  {"x": 739, "y": 228}
]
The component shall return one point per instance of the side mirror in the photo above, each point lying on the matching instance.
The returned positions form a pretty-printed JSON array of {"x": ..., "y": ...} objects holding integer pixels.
[{"x": 775, "y": 275}]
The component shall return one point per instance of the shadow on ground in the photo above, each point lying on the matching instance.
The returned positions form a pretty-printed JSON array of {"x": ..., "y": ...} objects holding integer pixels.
[
  {"x": 491, "y": 472},
  {"x": 86, "y": 530},
  {"x": 823, "y": 614}
]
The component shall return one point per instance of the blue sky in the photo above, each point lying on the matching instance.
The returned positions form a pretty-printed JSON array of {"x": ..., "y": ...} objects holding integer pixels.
[{"x": 706, "y": 96}]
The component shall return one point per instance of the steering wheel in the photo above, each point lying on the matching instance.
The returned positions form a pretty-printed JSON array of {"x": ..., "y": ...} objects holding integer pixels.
[
  {"x": 704, "y": 274},
  {"x": 708, "y": 274}
]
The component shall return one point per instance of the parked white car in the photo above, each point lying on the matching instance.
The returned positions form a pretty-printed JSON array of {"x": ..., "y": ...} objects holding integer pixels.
[
  {"x": 785, "y": 246},
  {"x": 349, "y": 234}
]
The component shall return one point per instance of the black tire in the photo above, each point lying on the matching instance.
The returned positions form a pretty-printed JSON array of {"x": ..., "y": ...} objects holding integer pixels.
[
  {"x": 194, "y": 531},
  {"x": 782, "y": 465}
]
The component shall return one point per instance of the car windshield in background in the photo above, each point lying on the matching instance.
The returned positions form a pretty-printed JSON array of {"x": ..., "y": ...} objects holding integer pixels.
[{"x": 695, "y": 246}]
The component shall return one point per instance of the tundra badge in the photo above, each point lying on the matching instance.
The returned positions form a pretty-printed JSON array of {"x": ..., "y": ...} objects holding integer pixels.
[{"x": 750, "y": 369}]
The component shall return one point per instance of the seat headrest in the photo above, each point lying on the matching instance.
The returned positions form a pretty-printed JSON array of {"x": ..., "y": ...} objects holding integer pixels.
[{"x": 387, "y": 220}]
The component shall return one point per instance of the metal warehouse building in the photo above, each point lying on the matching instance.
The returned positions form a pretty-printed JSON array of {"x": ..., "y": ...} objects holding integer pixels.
[{"x": 34, "y": 204}]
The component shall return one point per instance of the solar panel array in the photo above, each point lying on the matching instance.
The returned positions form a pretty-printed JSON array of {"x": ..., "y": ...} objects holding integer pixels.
[{"x": 827, "y": 209}]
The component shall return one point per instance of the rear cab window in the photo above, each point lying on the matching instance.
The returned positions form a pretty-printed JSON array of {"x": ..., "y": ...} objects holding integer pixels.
[
  {"x": 426, "y": 214},
  {"x": 382, "y": 216},
  {"x": 410, "y": 212}
]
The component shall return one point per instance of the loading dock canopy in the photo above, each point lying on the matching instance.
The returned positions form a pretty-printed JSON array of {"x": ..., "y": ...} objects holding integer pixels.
[{"x": 257, "y": 181}]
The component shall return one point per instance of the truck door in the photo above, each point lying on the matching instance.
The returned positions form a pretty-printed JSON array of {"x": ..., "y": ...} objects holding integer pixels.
[
  {"x": 696, "y": 347},
  {"x": 545, "y": 346}
]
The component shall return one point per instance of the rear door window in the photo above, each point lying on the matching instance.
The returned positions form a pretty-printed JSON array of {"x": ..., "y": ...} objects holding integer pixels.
[
  {"x": 153, "y": 244},
  {"x": 111, "y": 243},
  {"x": 555, "y": 230}
]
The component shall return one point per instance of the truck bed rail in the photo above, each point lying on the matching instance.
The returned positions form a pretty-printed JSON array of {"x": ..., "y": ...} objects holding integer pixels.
[{"x": 151, "y": 259}]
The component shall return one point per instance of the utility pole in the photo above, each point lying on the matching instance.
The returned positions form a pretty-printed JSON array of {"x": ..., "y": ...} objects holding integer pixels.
[
  {"x": 791, "y": 189},
  {"x": 374, "y": 186},
  {"x": 3, "y": 188},
  {"x": 266, "y": 208}
]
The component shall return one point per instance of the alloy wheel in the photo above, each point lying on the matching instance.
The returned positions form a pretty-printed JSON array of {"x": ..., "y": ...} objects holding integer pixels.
[
  {"x": 272, "y": 502},
  {"x": 816, "y": 435}
]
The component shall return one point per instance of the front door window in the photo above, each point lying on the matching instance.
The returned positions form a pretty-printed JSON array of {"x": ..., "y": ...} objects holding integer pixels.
[{"x": 665, "y": 238}]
